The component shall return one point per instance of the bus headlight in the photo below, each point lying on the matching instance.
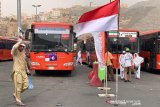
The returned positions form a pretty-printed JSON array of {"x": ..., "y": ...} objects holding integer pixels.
[
  {"x": 158, "y": 63},
  {"x": 35, "y": 63},
  {"x": 68, "y": 64}
]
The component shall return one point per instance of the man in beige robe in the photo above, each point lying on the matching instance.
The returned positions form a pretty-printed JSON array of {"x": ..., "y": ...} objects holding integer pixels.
[{"x": 19, "y": 75}]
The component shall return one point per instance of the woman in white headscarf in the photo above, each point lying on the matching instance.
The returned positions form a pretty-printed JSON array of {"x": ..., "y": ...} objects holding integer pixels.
[
  {"x": 137, "y": 65},
  {"x": 79, "y": 57}
]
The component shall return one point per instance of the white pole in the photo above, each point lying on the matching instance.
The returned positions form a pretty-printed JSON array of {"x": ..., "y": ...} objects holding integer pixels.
[
  {"x": 19, "y": 17},
  {"x": 116, "y": 102},
  {"x": 106, "y": 74}
]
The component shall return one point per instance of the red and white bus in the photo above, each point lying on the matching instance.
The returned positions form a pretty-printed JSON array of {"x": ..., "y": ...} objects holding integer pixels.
[
  {"x": 5, "y": 48},
  {"x": 150, "y": 49},
  {"x": 126, "y": 38},
  {"x": 51, "y": 46}
]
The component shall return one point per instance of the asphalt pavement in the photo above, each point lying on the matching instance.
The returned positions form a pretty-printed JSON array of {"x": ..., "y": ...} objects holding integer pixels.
[{"x": 63, "y": 90}]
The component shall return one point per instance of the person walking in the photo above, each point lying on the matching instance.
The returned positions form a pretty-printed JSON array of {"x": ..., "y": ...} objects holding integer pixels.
[
  {"x": 128, "y": 59},
  {"x": 121, "y": 61},
  {"x": 109, "y": 64},
  {"x": 137, "y": 65},
  {"x": 79, "y": 57},
  {"x": 20, "y": 70}
]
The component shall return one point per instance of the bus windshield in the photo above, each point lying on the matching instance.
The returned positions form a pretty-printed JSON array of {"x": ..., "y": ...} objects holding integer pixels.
[
  {"x": 51, "y": 42},
  {"x": 123, "y": 42}
]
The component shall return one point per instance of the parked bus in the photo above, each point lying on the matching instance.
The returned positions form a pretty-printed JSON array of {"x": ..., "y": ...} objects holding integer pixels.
[
  {"x": 150, "y": 49},
  {"x": 5, "y": 48},
  {"x": 51, "y": 47},
  {"x": 126, "y": 38}
]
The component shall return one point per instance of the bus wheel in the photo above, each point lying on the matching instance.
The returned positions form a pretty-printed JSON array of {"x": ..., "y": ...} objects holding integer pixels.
[
  {"x": 37, "y": 72},
  {"x": 147, "y": 66},
  {"x": 69, "y": 72}
]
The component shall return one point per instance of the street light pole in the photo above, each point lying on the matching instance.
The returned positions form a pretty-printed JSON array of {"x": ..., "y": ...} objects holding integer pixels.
[
  {"x": 19, "y": 17},
  {"x": 90, "y": 4},
  {"x": 36, "y": 6}
]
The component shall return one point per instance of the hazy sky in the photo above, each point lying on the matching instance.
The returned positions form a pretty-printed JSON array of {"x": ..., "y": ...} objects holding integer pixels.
[{"x": 9, "y": 7}]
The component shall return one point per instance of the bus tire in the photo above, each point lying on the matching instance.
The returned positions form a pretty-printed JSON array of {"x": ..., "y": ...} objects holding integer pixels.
[
  {"x": 37, "y": 72},
  {"x": 146, "y": 66},
  {"x": 69, "y": 72}
]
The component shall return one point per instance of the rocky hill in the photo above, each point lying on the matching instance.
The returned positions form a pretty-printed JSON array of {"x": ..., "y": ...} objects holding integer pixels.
[{"x": 143, "y": 16}]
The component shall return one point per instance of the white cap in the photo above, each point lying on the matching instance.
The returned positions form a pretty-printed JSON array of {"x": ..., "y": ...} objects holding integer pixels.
[{"x": 22, "y": 44}]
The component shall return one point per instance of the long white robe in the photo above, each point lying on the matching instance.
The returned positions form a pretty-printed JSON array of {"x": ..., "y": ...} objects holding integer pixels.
[
  {"x": 79, "y": 58},
  {"x": 137, "y": 62}
]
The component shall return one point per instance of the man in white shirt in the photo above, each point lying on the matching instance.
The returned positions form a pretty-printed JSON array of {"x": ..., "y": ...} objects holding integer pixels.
[
  {"x": 128, "y": 58},
  {"x": 121, "y": 61}
]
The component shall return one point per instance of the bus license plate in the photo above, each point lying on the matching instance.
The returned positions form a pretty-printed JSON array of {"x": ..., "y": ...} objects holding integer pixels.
[{"x": 51, "y": 68}]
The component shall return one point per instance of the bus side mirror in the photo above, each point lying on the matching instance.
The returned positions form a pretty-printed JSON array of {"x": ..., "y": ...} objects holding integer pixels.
[
  {"x": 75, "y": 40},
  {"x": 74, "y": 35},
  {"x": 28, "y": 34}
]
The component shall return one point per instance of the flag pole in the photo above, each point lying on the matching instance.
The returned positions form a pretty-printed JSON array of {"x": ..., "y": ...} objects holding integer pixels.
[
  {"x": 105, "y": 82},
  {"x": 117, "y": 56},
  {"x": 115, "y": 102},
  {"x": 116, "y": 97}
]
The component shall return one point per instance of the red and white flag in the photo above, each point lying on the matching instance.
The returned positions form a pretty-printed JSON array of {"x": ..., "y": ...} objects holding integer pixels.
[
  {"x": 100, "y": 47},
  {"x": 104, "y": 18}
]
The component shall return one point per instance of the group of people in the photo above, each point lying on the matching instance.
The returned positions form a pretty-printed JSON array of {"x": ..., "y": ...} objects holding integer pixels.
[{"x": 127, "y": 64}]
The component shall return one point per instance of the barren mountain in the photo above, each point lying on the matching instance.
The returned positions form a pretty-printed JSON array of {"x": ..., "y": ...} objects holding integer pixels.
[{"x": 144, "y": 15}]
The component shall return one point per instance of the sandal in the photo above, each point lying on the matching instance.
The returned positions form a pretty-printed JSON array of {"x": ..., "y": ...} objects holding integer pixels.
[
  {"x": 14, "y": 96},
  {"x": 20, "y": 103}
]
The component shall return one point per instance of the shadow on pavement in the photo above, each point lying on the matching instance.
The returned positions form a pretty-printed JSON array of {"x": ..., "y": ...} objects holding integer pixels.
[
  {"x": 43, "y": 73},
  {"x": 152, "y": 71}
]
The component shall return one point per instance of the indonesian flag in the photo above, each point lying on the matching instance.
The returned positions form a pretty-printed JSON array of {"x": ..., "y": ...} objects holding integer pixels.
[
  {"x": 104, "y": 18},
  {"x": 99, "y": 42}
]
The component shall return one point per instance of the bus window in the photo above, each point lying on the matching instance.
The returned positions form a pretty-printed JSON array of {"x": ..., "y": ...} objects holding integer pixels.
[
  {"x": 150, "y": 45},
  {"x": 51, "y": 42},
  {"x": 122, "y": 44}
]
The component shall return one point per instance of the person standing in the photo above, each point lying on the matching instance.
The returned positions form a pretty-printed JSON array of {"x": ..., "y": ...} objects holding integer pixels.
[
  {"x": 20, "y": 70},
  {"x": 109, "y": 64},
  {"x": 128, "y": 58},
  {"x": 88, "y": 57},
  {"x": 137, "y": 65},
  {"x": 121, "y": 61},
  {"x": 79, "y": 57}
]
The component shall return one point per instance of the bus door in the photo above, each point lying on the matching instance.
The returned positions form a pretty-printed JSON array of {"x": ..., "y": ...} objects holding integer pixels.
[
  {"x": 152, "y": 63},
  {"x": 157, "y": 55}
]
